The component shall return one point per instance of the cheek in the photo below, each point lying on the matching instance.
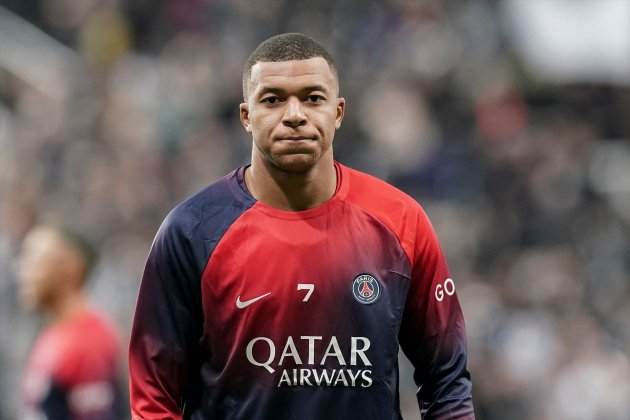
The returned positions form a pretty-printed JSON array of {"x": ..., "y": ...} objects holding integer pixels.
[
  {"x": 31, "y": 289},
  {"x": 261, "y": 128},
  {"x": 265, "y": 119},
  {"x": 326, "y": 123},
  {"x": 42, "y": 274}
]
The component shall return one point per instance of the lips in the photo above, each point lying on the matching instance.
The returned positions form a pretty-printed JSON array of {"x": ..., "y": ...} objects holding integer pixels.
[
  {"x": 297, "y": 138},
  {"x": 296, "y": 144}
]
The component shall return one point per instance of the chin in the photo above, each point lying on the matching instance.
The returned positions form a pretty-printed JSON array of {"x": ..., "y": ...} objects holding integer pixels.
[{"x": 295, "y": 163}]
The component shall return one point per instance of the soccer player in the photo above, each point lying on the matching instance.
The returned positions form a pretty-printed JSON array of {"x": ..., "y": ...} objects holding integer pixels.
[
  {"x": 72, "y": 372},
  {"x": 284, "y": 290}
]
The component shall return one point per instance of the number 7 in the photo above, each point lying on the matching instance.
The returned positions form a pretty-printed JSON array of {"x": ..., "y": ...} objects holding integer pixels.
[{"x": 306, "y": 286}]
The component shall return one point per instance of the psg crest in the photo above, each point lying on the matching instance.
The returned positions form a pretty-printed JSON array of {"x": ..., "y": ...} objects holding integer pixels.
[{"x": 366, "y": 288}]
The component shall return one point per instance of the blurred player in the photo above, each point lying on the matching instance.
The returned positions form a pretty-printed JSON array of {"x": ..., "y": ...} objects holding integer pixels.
[
  {"x": 72, "y": 371},
  {"x": 284, "y": 290}
]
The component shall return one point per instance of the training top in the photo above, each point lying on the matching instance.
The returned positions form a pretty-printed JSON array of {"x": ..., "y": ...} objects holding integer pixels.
[
  {"x": 72, "y": 372},
  {"x": 248, "y": 312}
]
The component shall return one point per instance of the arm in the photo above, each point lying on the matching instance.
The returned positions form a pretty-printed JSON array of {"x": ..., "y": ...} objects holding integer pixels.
[
  {"x": 167, "y": 326},
  {"x": 433, "y": 334},
  {"x": 55, "y": 405},
  {"x": 93, "y": 401},
  {"x": 82, "y": 384}
]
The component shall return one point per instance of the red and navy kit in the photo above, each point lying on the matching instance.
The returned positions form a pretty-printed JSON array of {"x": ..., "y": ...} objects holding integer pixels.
[
  {"x": 249, "y": 312},
  {"x": 72, "y": 372}
]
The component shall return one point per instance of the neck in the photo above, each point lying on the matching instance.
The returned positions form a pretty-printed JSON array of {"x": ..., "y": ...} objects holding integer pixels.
[
  {"x": 291, "y": 191},
  {"x": 67, "y": 306}
]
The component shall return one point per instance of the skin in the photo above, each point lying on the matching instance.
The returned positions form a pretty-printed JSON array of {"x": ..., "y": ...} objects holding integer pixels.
[
  {"x": 50, "y": 274},
  {"x": 292, "y": 111}
]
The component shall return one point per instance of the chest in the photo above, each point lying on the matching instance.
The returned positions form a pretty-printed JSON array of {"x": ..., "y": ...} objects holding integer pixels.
[{"x": 343, "y": 275}]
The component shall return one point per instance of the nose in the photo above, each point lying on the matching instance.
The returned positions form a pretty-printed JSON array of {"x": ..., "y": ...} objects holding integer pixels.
[{"x": 294, "y": 114}]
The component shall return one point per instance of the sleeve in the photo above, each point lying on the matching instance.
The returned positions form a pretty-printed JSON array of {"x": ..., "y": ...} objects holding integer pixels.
[
  {"x": 433, "y": 334},
  {"x": 55, "y": 405},
  {"x": 77, "y": 388},
  {"x": 83, "y": 401},
  {"x": 167, "y": 326},
  {"x": 88, "y": 385}
]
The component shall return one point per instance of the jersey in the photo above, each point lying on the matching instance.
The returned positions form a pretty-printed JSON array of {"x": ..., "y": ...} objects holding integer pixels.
[
  {"x": 72, "y": 372},
  {"x": 249, "y": 312}
]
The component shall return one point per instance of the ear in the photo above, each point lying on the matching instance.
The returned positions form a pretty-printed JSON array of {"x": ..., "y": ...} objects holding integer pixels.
[
  {"x": 244, "y": 115},
  {"x": 341, "y": 110}
]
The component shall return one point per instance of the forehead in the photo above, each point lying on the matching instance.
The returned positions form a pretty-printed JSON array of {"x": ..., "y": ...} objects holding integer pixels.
[
  {"x": 42, "y": 239},
  {"x": 292, "y": 74}
]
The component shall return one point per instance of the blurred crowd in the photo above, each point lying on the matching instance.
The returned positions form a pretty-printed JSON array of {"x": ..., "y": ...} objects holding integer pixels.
[{"x": 117, "y": 110}]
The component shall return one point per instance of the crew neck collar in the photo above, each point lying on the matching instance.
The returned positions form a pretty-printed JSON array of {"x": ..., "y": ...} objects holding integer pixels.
[{"x": 340, "y": 191}]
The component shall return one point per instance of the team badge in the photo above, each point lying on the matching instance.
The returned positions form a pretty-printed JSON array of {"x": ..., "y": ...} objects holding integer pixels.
[{"x": 366, "y": 288}]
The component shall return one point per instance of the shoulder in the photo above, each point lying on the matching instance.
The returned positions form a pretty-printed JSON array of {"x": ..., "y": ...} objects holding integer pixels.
[
  {"x": 375, "y": 194},
  {"x": 193, "y": 227},
  {"x": 381, "y": 199},
  {"x": 90, "y": 349},
  {"x": 99, "y": 324},
  {"x": 218, "y": 203},
  {"x": 401, "y": 213}
]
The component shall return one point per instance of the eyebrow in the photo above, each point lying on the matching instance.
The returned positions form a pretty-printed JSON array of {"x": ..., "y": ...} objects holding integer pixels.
[{"x": 311, "y": 88}]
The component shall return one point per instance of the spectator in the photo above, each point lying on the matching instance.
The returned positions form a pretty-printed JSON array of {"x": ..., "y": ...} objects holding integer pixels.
[{"x": 72, "y": 371}]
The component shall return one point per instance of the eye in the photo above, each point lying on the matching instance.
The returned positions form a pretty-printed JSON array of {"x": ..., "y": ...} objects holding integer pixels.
[
  {"x": 271, "y": 100},
  {"x": 315, "y": 98}
]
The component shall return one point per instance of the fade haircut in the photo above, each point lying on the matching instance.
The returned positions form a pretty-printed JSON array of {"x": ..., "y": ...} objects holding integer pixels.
[
  {"x": 285, "y": 47},
  {"x": 80, "y": 244}
]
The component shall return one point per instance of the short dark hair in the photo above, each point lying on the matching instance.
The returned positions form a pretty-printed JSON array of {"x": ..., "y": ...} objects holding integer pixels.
[
  {"x": 80, "y": 244},
  {"x": 285, "y": 47}
]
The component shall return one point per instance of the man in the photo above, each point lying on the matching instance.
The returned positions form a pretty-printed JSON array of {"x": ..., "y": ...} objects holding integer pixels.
[
  {"x": 72, "y": 372},
  {"x": 283, "y": 290}
]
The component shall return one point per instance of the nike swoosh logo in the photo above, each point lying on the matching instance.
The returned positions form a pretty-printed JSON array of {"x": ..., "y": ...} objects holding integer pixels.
[{"x": 240, "y": 304}]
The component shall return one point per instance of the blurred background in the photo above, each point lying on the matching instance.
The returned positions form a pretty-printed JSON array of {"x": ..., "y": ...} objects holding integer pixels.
[{"x": 508, "y": 120}]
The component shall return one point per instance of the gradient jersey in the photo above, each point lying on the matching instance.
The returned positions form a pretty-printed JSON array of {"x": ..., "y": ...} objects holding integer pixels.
[
  {"x": 249, "y": 312},
  {"x": 72, "y": 372}
]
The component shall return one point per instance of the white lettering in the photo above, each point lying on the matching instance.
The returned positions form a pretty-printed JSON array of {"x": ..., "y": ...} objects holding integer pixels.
[
  {"x": 449, "y": 290},
  {"x": 304, "y": 375},
  {"x": 439, "y": 294},
  {"x": 353, "y": 377},
  {"x": 284, "y": 378},
  {"x": 324, "y": 375},
  {"x": 263, "y": 352},
  {"x": 341, "y": 377},
  {"x": 336, "y": 352},
  {"x": 309, "y": 287},
  {"x": 249, "y": 351},
  {"x": 355, "y": 350},
  {"x": 311, "y": 347},
  {"x": 366, "y": 375},
  {"x": 290, "y": 351}
]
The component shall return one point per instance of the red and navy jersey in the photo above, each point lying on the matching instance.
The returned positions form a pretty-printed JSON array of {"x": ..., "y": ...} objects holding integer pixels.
[
  {"x": 72, "y": 372},
  {"x": 249, "y": 312}
]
